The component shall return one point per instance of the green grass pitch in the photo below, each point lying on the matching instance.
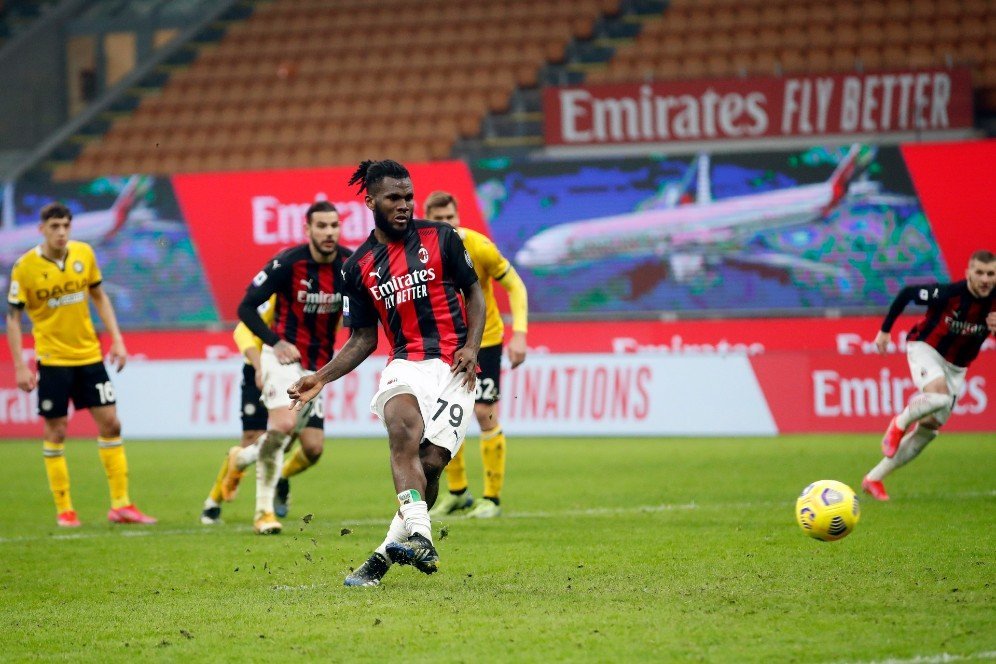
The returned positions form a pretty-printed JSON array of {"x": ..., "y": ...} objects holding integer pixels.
[{"x": 636, "y": 550}]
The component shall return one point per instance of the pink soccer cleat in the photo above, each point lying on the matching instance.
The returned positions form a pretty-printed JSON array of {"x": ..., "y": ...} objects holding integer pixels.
[
  {"x": 129, "y": 514},
  {"x": 874, "y": 488},
  {"x": 67, "y": 519},
  {"x": 890, "y": 441}
]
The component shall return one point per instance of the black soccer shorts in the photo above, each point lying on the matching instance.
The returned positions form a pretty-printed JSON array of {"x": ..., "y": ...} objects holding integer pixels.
[
  {"x": 87, "y": 385},
  {"x": 489, "y": 380}
]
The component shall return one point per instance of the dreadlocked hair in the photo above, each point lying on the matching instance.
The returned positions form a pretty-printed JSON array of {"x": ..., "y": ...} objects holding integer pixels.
[{"x": 371, "y": 172}]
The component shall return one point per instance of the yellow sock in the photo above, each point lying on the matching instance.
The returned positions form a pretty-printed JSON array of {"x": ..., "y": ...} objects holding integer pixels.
[
  {"x": 298, "y": 463},
  {"x": 58, "y": 475},
  {"x": 215, "y": 494},
  {"x": 456, "y": 473},
  {"x": 493, "y": 456},
  {"x": 112, "y": 455}
]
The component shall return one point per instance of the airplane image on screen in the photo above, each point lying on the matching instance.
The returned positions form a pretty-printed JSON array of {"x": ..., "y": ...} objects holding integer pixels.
[
  {"x": 88, "y": 227},
  {"x": 691, "y": 236}
]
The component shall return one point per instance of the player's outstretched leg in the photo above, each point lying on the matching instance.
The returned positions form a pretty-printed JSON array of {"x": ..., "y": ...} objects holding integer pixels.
[
  {"x": 268, "y": 465},
  {"x": 919, "y": 407},
  {"x": 912, "y": 444}
]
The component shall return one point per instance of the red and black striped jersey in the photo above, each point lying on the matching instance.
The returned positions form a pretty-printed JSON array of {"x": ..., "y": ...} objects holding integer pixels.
[
  {"x": 412, "y": 287},
  {"x": 308, "y": 306},
  {"x": 955, "y": 322}
]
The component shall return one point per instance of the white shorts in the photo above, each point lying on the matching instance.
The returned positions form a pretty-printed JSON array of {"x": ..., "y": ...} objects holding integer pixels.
[
  {"x": 277, "y": 378},
  {"x": 446, "y": 406},
  {"x": 927, "y": 365}
]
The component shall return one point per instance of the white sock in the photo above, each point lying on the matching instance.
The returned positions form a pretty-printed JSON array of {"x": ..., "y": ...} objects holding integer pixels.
[
  {"x": 416, "y": 516},
  {"x": 910, "y": 446},
  {"x": 395, "y": 533},
  {"x": 247, "y": 455},
  {"x": 271, "y": 460},
  {"x": 208, "y": 503},
  {"x": 920, "y": 406}
]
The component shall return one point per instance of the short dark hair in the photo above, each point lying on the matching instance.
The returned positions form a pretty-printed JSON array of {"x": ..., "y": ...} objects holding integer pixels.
[
  {"x": 438, "y": 199},
  {"x": 55, "y": 211},
  {"x": 319, "y": 206},
  {"x": 371, "y": 172},
  {"x": 983, "y": 256}
]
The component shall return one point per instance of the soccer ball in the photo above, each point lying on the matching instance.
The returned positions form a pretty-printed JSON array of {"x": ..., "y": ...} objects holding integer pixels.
[{"x": 827, "y": 510}]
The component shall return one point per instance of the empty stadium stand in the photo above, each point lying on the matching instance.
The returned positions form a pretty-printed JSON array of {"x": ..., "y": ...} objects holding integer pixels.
[
  {"x": 312, "y": 82},
  {"x": 309, "y": 82}
]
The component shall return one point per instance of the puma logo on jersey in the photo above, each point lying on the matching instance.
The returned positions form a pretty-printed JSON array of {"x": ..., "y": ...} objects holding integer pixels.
[
  {"x": 375, "y": 274},
  {"x": 306, "y": 283}
]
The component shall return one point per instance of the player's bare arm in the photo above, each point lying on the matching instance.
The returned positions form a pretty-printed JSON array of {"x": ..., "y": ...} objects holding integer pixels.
[
  {"x": 882, "y": 340},
  {"x": 357, "y": 348},
  {"x": 517, "y": 349},
  {"x": 118, "y": 354},
  {"x": 991, "y": 322},
  {"x": 25, "y": 377},
  {"x": 465, "y": 359},
  {"x": 519, "y": 300}
]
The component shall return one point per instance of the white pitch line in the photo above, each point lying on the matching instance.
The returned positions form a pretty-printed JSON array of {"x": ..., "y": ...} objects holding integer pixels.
[{"x": 941, "y": 658}]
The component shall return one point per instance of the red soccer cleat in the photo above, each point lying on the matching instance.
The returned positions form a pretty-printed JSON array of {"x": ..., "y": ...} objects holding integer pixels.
[
  {"x": 890, "y": 441},
  {"x": 67, "y": 519},
  {"x": 129, "y": 514},
  {"x": 874, "y": 488}
]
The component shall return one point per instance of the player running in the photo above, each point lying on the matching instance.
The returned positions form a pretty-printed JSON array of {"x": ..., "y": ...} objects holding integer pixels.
[
  {"x": 939, "y": 348},
  {"x": 253, "y": 415},
  {"x": 307, "y": 282}
]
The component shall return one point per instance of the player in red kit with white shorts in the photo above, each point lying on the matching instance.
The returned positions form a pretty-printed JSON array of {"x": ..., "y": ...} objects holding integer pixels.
[
  {"x": 409, "y": 275},
  {"x": 959, "y": 318}
]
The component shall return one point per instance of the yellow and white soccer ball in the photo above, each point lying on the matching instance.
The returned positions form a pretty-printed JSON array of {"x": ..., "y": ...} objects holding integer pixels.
[{"x": 827, "y": 510}]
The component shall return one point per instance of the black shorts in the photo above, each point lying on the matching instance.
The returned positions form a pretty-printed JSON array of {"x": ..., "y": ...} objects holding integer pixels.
[
  {"x": 87, "y": 385},
  {"x": 489, "y": 380},
  {"x": 254, "y": 415}
]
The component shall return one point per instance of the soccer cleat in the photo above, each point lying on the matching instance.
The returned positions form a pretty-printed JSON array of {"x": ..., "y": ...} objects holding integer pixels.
[
  {"x": 282, "y": 499},
  {"x": 484, "y": 509},
  {"x": 369, "y": 573},
  {"x": 230, "y": 483},
  {"x": 451, "y": 503},
  {"x": 67, "y": 519},
  {"x": 874, "y": 488},
  {"x": 416, "y": 551},
  {"x": 211, "y": 515},
  {"x": 129, "y": 514},
  {"x": 890, "y": 441},
  {"x": 266, "y": 524}
]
